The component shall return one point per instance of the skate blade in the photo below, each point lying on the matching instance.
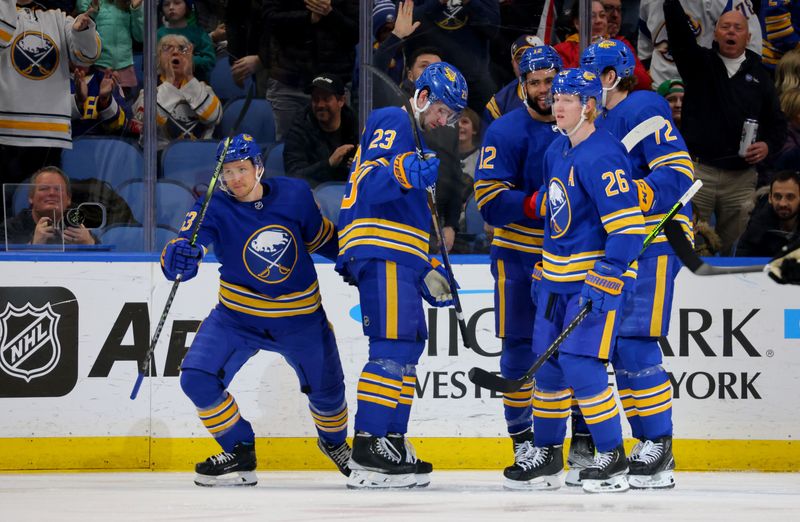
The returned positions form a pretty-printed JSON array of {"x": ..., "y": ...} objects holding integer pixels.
[
  {"x": 662, "y": 480},
  {"x": 228, "y": 480},
  {"x": 365, "y": 479},
  {"x": 618, "y": 484},
  {"x": 573, "y": 479},
  {"x": 423, "y": 480},
  {"x": 543, "y": 483}
]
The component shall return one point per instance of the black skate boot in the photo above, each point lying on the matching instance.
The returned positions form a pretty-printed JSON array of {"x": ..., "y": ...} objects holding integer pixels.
[
  {"x": 607, "y": 474},
  {"x": 651, "y": 467},
  {"x": 423, "y": 469},
  {"x": 236, "y": 468},
  {"x": 539, "y": 469},
  {"x": 580, "y": 456},
  {"x": 376, "y": 463},
  {"x": 523, "y": 444},
  {"x": 338, "y": 453}
]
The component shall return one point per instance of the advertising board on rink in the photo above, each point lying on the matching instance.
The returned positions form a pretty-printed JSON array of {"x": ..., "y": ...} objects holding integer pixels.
[{"x": 71, "y": 334}]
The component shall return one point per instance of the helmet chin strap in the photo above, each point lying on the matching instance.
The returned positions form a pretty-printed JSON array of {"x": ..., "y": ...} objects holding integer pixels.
[
  {"x": 226, "y": 190},
  {"x": 607, "y": 89},
  {"x": 417, "y": 111},
  {"x": 576, "y": 127}
]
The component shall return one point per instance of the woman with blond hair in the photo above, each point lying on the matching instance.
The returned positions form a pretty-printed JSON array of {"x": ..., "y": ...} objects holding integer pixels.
[
  {"x": 789, "y": 155},
  {"x": 787, "y": 73}
]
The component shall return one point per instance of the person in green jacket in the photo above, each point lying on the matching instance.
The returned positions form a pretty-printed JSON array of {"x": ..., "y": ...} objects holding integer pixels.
[{"x": 177, "y": 15}]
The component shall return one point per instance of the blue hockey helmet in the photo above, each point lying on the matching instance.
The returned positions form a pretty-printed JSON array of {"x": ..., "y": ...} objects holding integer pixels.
[
  {"x": 445, "y": 84},
  {"x": 609, "y": 53},
  {"x": 539, "y": 58},
  {"x": 579, "y": 82},
  {"x": 242, "y": 146}
]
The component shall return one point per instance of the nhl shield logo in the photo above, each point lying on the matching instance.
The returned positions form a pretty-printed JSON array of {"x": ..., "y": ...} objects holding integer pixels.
[{"x": 29, "y": 346}]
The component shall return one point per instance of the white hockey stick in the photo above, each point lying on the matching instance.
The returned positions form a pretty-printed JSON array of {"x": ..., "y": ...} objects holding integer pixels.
[{"x": 646, "y": 128}]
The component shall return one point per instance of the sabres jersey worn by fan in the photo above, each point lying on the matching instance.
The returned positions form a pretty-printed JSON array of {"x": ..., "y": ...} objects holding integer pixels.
[
  {"x": 661, "y": 158},
  {"x": 509, "y": 169},
  {"x": 584, "y": 183},
  {"x": 267, "y": 274},
  {"x": 507, "y": 99},
  {"x": 402, "y": 232}
]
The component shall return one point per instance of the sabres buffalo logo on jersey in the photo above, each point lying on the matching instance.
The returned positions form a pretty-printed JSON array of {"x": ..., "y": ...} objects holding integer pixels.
[
  {"x": 270, "y": 254},
  {"x": 35, "y": 56},
  {"x": 560, "y": 210}
]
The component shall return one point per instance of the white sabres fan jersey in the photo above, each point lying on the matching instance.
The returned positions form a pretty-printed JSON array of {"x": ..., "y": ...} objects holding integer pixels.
[
  {"x": 36, "y": 47},
  {"x": 704, "y": 15}
]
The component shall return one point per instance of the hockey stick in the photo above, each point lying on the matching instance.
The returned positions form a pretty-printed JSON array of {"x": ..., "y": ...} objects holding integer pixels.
[
  {"x": 685, "y": 252},
  {"x": 495, "y": 382},
  {"x": 145, "y": 366},
  {"x": 437, "y": 226}
]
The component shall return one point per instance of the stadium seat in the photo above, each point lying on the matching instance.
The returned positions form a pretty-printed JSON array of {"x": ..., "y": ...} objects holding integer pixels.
[
  {"x": 173, "y": 201},
  {"x": 258, "y": 121},
  {"x": 222, "y": 83},
  {"x": 472, "y": 217},
  {"x": 329, "y": 197},
  {"x": 133, "y": 192},
  {"x": 124, "y": 238},
  {"x": 114, "y": 160},
  {"x": 163, "y": 236},
  {"x": 191, "y": 163},
  {"x": 273, "y": 164},
  {"x": 138, "y": 68}
]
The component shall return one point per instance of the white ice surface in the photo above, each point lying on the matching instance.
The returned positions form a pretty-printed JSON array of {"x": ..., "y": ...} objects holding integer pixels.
[{"x": 452, "y": 495}]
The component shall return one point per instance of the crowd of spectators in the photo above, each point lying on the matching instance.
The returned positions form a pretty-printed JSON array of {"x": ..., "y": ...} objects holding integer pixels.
[{"x": 717, "y": 63}]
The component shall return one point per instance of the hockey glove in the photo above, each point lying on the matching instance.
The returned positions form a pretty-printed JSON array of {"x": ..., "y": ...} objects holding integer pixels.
[
  {"x": 536, "y": 279},
  {"x": 534, "y": 205},
  {"x": 436, "y": 287},
  {"x": 182, "y": 258},
  {"x": 603, "y": 287},
  {"x": 412, "y": 172},
  {"x": 785, "y": 269},
  {"x": 646, "y": 195}
]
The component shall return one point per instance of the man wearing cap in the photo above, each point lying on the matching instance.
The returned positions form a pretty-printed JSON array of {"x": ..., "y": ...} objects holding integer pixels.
[
  {"x": 321, "y": 141},
  {"x": 510, "y": 97},
  {"x": 672, "y": 90}
]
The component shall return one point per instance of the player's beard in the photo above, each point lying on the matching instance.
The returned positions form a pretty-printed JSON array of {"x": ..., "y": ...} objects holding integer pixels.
[{"x": 547, "y": 111}]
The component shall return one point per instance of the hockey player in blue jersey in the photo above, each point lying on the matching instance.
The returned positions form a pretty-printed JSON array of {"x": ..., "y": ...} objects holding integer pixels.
[
  {"x": 384, "y": 229},
  {"x": 509, "y": 170},
  {"x": 593, "y": 231},
  {"x": 263, "y": 233},
  {"x": 662, "y": 172}
]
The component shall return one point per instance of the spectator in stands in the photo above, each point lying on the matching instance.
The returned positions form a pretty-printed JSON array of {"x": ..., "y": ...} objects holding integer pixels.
[
  {"x": 462, "y": 31},
  {"x": 653, "y": 45},
  {"x": 417, "y": 62},
  {"x": 36, "y": 47},
  {"x": 569, "y": 50},
  {"x": 672, "y": 90},
  {"x": 787, "y": 73},
  {"x": 188, "y": 109},
  {"x": 119, "y": 23},
  {"x": 43, "y": 223},
  {"x": 321, "y": 143},
  {"x": 789, "y": 155},
  {"x": 469, "y": 141},
  {"x": 613, "y": 9},
  {"x": 780, "y": 25},
  {"x": 211, "y": 16},
  {"x": 518, "y": 18},
  {"x": 306, "y": 37},
  {"x": 248, "y": 42},
  {"x": 510, "y": 96},
  {"x": 99, "y": 106},
  {"x": 724, "y": 86},
  {"x": 775, "y": 224},
  {"x": 177, "y": 20}
]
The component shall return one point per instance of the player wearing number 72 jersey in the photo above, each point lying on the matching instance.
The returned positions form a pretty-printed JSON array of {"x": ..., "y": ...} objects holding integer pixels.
[{"x": 263, "y": 233}]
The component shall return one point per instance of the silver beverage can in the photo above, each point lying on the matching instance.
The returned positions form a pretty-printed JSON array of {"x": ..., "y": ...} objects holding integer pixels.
[{"x": 749, "y": 131}]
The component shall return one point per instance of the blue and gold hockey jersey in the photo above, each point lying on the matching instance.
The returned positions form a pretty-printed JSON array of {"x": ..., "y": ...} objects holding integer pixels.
[
  {"x": 592, "y": 211},
  {"x": 382, "y": 216},
  {"x": 509, "y": 169},
  {"x": 264, "y": 247},
  {"x": 661, "y": 158}
]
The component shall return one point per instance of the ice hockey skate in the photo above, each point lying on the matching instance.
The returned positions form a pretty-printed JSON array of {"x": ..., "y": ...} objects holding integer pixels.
[
  {"x": 236, "y": 468},
  {"x": 651, "y": 467},
  {"x": 607, "y": 474},
  {"x": 523, "y": 445},
  {"x": 539, "y": 469},
  {"x": 376, "y": 463},
  {"x": 581, "y": 456},
  {"x": 423, "y": 469},
  {"x": 339, "y": 455}
]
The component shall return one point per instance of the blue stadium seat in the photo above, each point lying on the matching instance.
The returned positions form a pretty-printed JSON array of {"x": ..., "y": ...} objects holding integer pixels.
[
  {"x": 133, "y": 193},
  {"x": 163, "y": 236},
  {"x": 138, "y": 68},
  {"x": 472, "y": 217},
  {"x": 222, "y": 83},
  {"x": 273, "y": 164},
  {"x": 173, "y": 201},
  {"x": 114, "y": 160},
  {"x": 258, "y": 121},
  {"x": 191, "y": 163},
  {"x": 20, "y": 198},
  {"x": 329, "y": 197},
  {"x": 124, "y": 238}
]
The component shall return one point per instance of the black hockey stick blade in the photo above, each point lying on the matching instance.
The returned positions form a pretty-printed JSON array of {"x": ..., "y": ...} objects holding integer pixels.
[{"x": 685, "y": 252}]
